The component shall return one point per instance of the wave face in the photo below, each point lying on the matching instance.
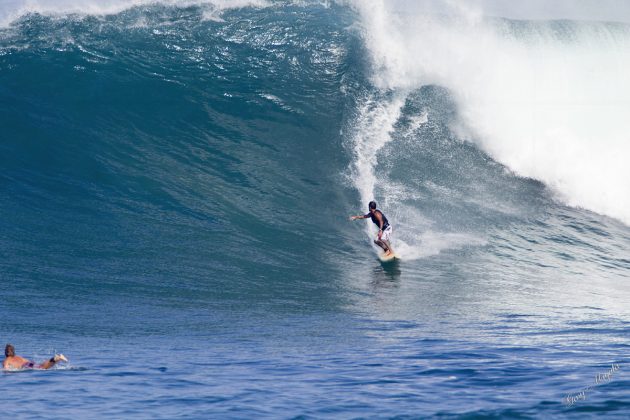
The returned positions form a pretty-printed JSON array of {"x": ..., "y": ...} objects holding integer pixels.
[
  {"x": 176, "y": 179},
  {"x": 203, "y": 128}
]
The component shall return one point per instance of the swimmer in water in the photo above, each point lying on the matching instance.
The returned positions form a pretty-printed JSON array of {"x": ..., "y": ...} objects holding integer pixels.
[{"x": 14, "y": 362}]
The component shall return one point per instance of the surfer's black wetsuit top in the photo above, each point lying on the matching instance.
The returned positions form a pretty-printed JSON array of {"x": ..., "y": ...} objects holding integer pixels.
[{"x": 375, "y": 220}]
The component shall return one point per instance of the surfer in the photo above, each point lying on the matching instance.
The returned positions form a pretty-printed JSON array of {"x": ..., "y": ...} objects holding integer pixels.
[
  {"x": 384, "y": 228},
  {"x": 13, "y": 362}
]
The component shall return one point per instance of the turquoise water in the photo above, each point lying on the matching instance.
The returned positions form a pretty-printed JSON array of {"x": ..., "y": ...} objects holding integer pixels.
[{"x": 175, "y": 200}]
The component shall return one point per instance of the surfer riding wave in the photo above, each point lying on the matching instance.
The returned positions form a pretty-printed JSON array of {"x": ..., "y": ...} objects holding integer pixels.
[{"x": 384, "y": 228}]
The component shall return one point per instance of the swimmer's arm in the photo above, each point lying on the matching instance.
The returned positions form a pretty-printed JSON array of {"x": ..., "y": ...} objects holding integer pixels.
[{"x": 47, "y": 364}]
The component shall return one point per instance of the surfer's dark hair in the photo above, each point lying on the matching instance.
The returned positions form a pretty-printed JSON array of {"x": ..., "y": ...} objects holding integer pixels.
[
  {"x": 372, "y": 205},
  {"x": 9, "y": 351}
]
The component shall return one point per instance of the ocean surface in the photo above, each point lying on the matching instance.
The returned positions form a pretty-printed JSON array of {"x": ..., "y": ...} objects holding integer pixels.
[{"x": 175, "y": 185}]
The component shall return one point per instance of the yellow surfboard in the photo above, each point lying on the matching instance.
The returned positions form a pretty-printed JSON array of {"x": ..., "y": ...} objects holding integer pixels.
[{"x": 387, "y": 258}]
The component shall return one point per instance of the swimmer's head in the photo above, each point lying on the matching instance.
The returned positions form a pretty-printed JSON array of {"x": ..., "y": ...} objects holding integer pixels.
[{"x": 9, "y": 351}]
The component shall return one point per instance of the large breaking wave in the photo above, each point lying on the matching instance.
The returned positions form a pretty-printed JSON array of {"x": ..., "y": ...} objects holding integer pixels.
[
  {"x": 162, "y": 108},
  {"x": 548, "y": 99}
]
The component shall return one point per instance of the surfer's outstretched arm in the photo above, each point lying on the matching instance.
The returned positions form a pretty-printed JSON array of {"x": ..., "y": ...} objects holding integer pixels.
[{"x": 362, "y": 216}]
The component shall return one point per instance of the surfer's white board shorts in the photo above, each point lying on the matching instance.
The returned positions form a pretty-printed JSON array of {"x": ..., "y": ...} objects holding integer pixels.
[{"x": 386, "y": 233}]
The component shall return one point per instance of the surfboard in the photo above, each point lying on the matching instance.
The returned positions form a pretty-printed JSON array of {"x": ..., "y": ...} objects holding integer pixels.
[{"x": 388, "y": 258}]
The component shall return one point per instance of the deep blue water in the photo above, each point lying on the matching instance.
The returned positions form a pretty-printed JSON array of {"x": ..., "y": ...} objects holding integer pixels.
[{"x": 175, "y": 194}]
